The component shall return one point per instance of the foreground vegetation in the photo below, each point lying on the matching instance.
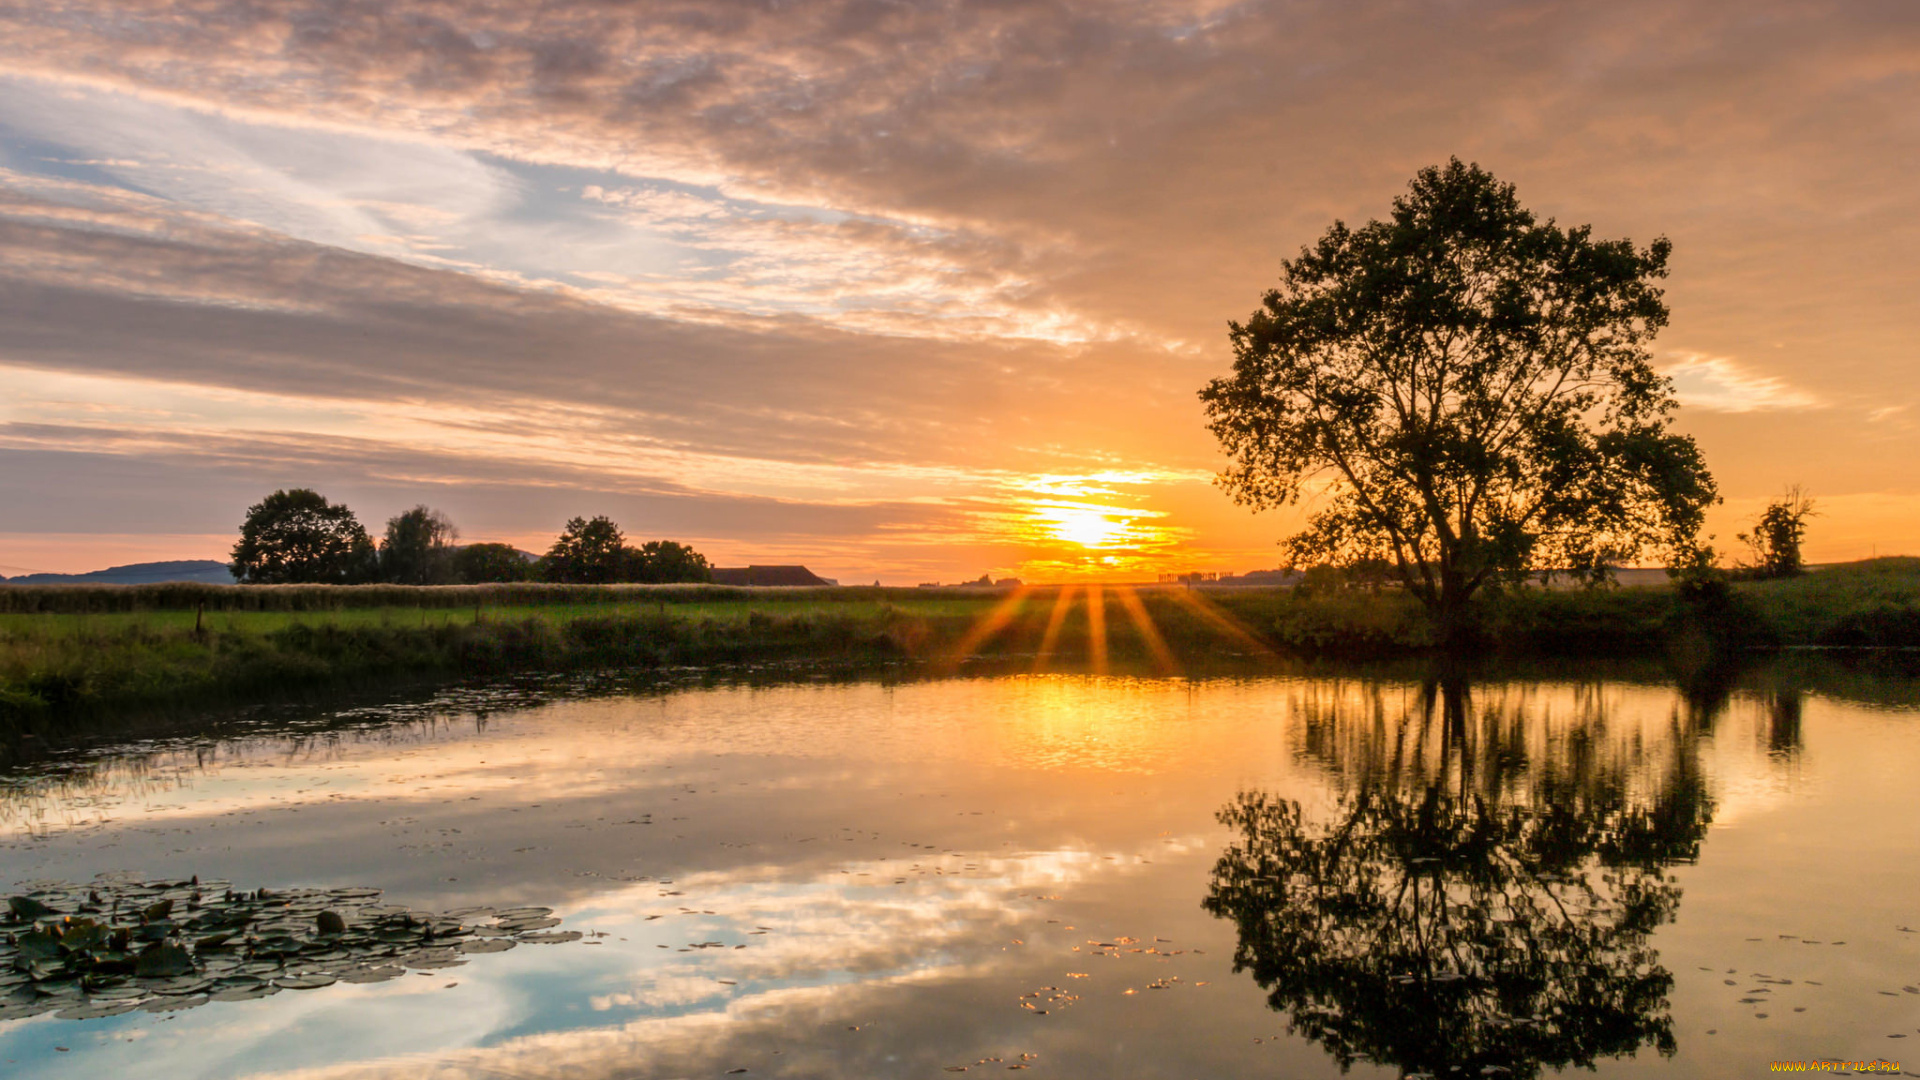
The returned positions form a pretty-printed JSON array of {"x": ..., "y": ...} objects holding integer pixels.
[{"x": 69, "y": 653}]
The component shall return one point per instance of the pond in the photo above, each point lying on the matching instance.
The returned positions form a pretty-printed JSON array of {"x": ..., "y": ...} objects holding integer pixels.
[{"x": 1283, "y": 874}]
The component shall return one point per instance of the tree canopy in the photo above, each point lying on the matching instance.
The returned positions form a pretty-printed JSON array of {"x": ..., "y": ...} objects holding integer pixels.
[
  {"x": 1777, "y": 534},
  {"x": 587, "y": 553},
  {"x": 298, "y": 537},
  {"x": 1473, "y": 389},
  {"x": 418, "y": 548},
  {"x": 480, "y": 564},
  {"x": 660, "y": 561}
]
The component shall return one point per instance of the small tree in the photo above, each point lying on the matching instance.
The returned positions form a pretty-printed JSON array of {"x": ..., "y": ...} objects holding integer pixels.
[
  {"x": 1777, "y": 533},
  {"x": 418, "y": 548},
  {"x": 587, "y": 553},
  {"x": 482, "y": 564},
  {"x": 661, "y": 561},
  {"x": 1470, "y": 390},
  {"x": 298, "y": 537}
]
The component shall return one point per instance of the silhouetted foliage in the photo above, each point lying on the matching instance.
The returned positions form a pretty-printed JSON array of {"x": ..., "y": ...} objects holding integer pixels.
[
  {"x": 1777, "y": 533},
  {"x": 418, "y": 548},
  {"x": 1474, "y": 904},
  {"x": 487, "y": 564},
  {"x": 298, "y": 537},
  {"x": 586, "y": 553},
  {"x": 1476, "y": 384},
  {"x": 663, "y": 561}
]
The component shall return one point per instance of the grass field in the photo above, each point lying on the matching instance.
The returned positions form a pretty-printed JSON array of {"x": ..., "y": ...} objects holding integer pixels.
[{"x": 74, "y": 652}]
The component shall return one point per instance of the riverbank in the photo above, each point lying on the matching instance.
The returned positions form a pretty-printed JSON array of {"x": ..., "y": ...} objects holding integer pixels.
[{"x": 70, "y": 654}]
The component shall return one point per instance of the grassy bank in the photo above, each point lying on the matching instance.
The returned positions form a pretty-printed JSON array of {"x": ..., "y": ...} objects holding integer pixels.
[
  {"x": 108, "y": 651},
  {"x": 70, "y": 653}
]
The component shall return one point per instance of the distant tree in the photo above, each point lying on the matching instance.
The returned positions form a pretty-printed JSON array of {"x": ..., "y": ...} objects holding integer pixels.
[
  {"x": 298, "y": 537},
  {"x": 1474, "y": 386},
  {"x": 1777, "y": 533},
  {"x": 418, "y": 548},
  {"x": 587, "y": 553},
  {"x": 666, "y": 561},
  {"x": 481, "y": 564}
]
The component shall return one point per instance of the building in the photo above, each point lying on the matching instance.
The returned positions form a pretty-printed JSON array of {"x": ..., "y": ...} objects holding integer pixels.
[{"x": 766, "y": 575}]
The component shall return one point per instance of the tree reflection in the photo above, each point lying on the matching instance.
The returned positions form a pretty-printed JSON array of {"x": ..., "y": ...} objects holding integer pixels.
[{"x": 1479, "y": 899}]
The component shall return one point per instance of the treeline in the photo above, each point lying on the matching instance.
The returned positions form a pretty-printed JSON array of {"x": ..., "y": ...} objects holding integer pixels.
[{"x": 298, "y": 537}]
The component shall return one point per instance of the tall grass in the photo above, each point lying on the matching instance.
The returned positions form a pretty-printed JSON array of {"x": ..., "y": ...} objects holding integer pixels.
[
  {"x": 189, "y": 596},
  {"x": 1875, "y": 602},
  {"x": 72, "y": 651}
]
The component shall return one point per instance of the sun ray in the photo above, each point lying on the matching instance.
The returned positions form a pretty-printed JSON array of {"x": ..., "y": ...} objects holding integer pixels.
[
  {"x": 1062, "y": 602},
  {"x": 1211, "y": 614},
  {"x": 989, "y": 624},
  {"x": 1149, "y": 633},
  {"x": 1097, "y": 629}
]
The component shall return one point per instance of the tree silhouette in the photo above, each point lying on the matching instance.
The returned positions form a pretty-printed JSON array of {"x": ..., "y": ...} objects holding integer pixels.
[
  {"x": 1477, "y": 387},
  {"x": 1465, "y": 909},
  {"x": 660, "y": 561},
  {"x": 418, "y": 548},
  {"x": 298, "y": 537},
  {"x": 480, "y": 564},
  {"x": 587, "y": 553},
  {"x": 1777, "y": 534}
]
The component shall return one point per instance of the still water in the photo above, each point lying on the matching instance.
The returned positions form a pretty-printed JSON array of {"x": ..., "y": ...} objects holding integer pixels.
[{"x": 1075, "y": 876}]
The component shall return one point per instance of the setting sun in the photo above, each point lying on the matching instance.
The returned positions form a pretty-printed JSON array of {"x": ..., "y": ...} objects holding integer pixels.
[{"x": 1089, "y": 526}]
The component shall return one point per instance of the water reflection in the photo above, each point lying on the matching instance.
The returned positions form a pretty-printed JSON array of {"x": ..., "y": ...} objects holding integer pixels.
[
  {"x": 899, "y": 877},
  {"x": 1480, "y": 895}
]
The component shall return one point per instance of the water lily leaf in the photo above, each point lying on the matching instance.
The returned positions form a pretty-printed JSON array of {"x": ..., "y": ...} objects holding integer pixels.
[
  {"x": 163, "y": 959},
  {"x": 551, "y": 937},
  {"x": 312, "y": 981},
  {"x": 373, "y": 974},
  {"x": 245, "y": 993},
  {"x": 170, "y": 1004},
  {"x": 487, "y": 945},
  {"x": 26, "y": 907},
  {"x": 37, "y": 945},
  {"x": 96, "y": 1010},
  {"x": 518, "y": 925}
]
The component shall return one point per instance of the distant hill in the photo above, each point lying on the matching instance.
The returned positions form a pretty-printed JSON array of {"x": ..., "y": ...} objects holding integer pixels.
[{"x": 202, "y": 571}]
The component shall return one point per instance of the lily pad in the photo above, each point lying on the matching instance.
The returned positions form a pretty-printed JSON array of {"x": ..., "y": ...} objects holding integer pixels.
[{"x": 304, "y": 982}]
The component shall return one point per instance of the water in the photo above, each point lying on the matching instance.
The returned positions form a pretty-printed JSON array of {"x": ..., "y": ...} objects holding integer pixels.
[{"x": 1074, "y": 876}]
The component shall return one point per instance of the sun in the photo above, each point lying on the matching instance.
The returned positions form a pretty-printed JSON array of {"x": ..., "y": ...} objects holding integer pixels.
[{"x": 1088, "y": 526}]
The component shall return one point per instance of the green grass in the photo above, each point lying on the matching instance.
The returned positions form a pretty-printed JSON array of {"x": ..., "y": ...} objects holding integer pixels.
[
  {"x": 68, "y": 654},
  {"x": 1875, "y": 602}
]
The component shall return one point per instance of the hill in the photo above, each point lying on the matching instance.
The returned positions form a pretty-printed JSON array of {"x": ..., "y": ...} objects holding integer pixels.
[{"x": 201, "y": 571}]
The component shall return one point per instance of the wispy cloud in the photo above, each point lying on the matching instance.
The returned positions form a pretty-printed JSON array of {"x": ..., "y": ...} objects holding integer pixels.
[
  {"x": 801, "y": 252},
  {"x": 1724, "y": 385}
]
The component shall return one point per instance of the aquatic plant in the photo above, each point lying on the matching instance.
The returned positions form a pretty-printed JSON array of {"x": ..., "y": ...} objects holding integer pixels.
[{"x": 120, "y": 944}]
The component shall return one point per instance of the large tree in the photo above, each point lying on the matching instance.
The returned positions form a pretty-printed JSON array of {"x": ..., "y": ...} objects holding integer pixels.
[
  {"x": 658, "y": 561},
  {"x": 418, "y": 548},
  {"x": 479, "y": 564},
  {"x": 1467, "y": 393},
  {"x": 298, "y": 537},
  {"x": 587, "y": 553}
]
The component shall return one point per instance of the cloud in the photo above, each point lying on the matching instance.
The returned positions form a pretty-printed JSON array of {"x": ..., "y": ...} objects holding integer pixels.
[
  {"x": 824, "y": 247},
  {"x": 1723, "y": 385}
]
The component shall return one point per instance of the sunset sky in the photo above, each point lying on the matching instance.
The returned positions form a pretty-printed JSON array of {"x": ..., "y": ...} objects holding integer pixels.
[{"x": 907, "y": 291}]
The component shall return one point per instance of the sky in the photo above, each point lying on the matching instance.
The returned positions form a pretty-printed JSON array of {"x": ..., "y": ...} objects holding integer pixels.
[{"x": 900, "y": 291}]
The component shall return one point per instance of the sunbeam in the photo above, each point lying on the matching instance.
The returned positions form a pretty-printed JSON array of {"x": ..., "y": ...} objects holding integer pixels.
[
  {"x": 1062, "y": 603},
  {"x": 1211, "y": 614},
  {"x": 1097, "y": 629},
  {"x": 987, "y": 625},
  {"x": 1143, "y": 624}
]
